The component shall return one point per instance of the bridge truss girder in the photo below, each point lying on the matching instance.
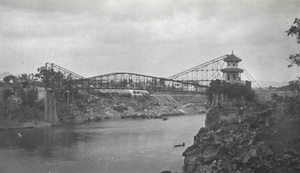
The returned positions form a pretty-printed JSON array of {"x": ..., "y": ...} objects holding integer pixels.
[
  {"x": 142, "y": 82},
  {"x": 202, "y": 74},
  {"x": 69, "y": 80},
  {"x": 65, "y": 72}
]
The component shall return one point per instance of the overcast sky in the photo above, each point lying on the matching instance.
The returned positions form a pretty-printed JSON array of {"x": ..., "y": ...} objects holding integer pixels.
[{"x": 152, "y": 37}]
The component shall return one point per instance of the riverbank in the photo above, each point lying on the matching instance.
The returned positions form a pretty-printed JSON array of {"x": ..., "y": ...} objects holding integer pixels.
[
  {"x": 92, "y": 108},
  {"x": 13, "y": 125}
]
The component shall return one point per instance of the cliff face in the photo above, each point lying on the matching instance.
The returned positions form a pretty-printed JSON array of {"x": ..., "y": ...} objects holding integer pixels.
[{"x": 255, "y": 139}]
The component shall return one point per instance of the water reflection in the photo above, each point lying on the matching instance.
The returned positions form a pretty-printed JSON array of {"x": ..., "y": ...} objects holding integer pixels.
[{"x": 111, "y": 146}]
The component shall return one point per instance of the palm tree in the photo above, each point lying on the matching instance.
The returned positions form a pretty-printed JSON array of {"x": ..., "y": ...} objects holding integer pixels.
[{"x": 24, "y": 77}]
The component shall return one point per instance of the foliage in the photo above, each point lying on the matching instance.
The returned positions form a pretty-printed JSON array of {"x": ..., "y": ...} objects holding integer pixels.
[
  {"x": 6, "y": 94},
  {"x": 25, "y": 77},
  {"x": 9, "y": 77},
  {"x": 293, "y": 104},
  {"x": 294, "y": 86},
  {"x": 53, "y": 79},
  {"x": 235, "y": 90},
  {"x": 295, "y": 30},
  {"x": 18, "y": 79},
  {"x": 215, "y": 87},
  {"x": 28, "y": 97},
  {"x": 276, "y": 97},
  {"x": 20, "y": 105},
  {"x": 13, "y": 106}
]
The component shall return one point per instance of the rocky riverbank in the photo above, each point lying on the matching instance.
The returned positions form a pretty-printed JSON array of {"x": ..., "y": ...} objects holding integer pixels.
[
  {"x": 156, "y": 106},
  {"x": 89, "y": 108},
  {"x": 259, "y": 139}
]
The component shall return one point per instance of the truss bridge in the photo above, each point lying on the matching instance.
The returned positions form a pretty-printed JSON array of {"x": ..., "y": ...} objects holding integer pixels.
[{"x": 195, "y": 79}]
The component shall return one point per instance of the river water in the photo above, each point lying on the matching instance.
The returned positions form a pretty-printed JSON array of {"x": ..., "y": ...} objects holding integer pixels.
[{"x": 113, "y": 146}]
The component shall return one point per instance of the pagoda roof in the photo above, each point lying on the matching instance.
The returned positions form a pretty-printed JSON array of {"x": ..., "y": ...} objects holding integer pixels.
[{"x": 232, "y": 58}]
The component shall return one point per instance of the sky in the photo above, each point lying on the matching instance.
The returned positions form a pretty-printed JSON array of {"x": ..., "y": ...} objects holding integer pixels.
[{"x": 151, "y": 37}]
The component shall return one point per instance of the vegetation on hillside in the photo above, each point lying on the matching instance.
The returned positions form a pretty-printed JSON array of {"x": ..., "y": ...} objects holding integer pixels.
[
  {"x": 231, "y": 90},
  {"x": 290, "y": 104},
  {"x": 54, "y": 79},
  {"x": 19, "y": 98}
]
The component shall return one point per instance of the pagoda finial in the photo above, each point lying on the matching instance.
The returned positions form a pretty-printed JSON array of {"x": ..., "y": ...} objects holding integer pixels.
[{"x": 232, "y": 52}]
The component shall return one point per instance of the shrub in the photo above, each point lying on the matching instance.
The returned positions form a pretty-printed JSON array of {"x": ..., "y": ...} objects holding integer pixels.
[
  {"x": 293, "y": 104},
  {"x": 6, "y": 94},
  {"x": 28, "y": 97},
  {"x": 235, "y": 90}
]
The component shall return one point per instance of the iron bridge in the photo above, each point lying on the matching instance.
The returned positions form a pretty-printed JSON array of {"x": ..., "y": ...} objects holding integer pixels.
[{"x": 196, "y": 79}]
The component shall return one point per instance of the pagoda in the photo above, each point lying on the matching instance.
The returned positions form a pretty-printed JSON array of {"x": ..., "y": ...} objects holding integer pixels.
[{"x": 232, "y": 73}]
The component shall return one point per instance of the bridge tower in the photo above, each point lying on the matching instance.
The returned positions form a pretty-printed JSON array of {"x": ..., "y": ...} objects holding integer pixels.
[{"x": 232, "y": 72}]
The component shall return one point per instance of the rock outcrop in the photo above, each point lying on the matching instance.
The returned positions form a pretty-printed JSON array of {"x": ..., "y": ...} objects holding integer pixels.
[{"x": 244, "y": 143}]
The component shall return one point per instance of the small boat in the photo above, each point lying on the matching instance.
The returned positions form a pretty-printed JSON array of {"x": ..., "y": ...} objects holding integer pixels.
[
  {"x": 53, "y": 125},
  {"x": 181, "y": 145},
  {"x": 164, "y": 119}
]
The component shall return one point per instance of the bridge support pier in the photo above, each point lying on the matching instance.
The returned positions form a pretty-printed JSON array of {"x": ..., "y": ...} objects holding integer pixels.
[{"x": 50, "y": 113}]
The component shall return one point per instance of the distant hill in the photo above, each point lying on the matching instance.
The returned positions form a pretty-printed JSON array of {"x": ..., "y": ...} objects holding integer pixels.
[
  {"x": 272, "y": 83},
  {"x": 4, "y": 74}
]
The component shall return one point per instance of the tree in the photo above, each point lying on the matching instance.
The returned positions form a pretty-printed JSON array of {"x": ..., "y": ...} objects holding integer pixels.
[
  {"x": 54, "y": 79},
  {"x": 50, "y": 78},
  {"x": 25, "y": 77},
  {"x": 295, "y": 30},
  {"x": 9, "y": 77}
]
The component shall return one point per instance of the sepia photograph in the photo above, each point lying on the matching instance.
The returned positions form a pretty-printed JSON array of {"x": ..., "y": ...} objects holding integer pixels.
[{"x": 149, "y": 86}]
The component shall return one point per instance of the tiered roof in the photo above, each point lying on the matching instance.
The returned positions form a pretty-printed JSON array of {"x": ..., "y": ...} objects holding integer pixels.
[{"x": 232, "y": 58}]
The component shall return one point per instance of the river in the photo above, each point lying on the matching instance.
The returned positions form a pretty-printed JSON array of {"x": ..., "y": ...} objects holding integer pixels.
[{"x": 112, "y": 146}]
